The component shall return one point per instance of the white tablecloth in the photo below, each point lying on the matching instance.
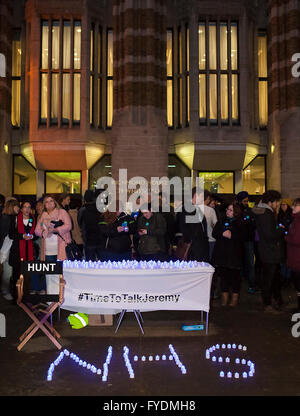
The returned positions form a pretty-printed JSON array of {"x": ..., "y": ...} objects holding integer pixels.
[{"x": 108, "y": 291}]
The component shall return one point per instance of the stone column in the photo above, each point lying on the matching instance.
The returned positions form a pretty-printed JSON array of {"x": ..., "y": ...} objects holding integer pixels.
[
  {"x": 139, "y": 130},
  {"x": 284, "y": 97},
  {"x": 5, "y": 97}
]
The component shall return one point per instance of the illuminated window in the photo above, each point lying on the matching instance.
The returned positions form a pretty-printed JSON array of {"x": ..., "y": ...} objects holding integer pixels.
[
  {"x": 16, "y": 79},
  {"x": 109, "y": 79},
  {"x": 95, "y": 76},
  {"x": 170, "y": 78},
  {"x": 187, "y": 73},
  {"x": 100, "y": 169},
  {"x": 179, "y": 48},
  {"x": 218, "y": 182},
  {"x": 262, "y": 80},
  {"x": 218, "y": 73},
  {"x": 63, "y": 182},
  {"x": 24, "y": 176},
  {"x": 254, "y": 176},
  {"x": 60, "y": 78}
]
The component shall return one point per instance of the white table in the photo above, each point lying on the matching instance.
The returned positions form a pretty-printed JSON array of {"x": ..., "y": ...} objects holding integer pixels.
[{"x": 106, "y": 290}]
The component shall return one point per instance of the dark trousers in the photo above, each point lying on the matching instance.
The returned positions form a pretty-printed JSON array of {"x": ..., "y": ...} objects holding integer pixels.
[
  {"x": 296, "y": 280},
  {"x": 230, "y": 279},
  {"x": 248, "y": 269},
  {"x": 270, "y": 283}
]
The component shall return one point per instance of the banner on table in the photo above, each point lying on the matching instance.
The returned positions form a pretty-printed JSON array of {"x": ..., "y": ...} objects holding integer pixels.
[{"x": 109, "y": 291}]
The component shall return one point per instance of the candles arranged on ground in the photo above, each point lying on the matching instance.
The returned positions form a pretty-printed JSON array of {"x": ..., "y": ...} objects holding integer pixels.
[{"x": 239, "y": 362}]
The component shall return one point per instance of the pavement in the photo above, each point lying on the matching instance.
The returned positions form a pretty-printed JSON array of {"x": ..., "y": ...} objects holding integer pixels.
[{"x": 268, "y": 338}]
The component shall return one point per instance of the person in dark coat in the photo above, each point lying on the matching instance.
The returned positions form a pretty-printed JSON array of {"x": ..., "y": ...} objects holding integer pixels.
[
  {"x": 285, "y": 218},
  {"x": 293, "y": 248},
  {"x": 269, "y": 246},
  {"x": 230, "y": 234},
  {"x": 88, "y": 220},
  {"x": 195, "y": 232},
  {"x": 151, "y": 229},
  {"x": 118, "y": 229},
  {"x": 248, "y": 269}
]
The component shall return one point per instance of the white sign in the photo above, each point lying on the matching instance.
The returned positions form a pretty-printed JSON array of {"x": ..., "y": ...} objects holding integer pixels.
[
  {"x": 109, "y": 291},
  {"x": 2, "y": 326}
]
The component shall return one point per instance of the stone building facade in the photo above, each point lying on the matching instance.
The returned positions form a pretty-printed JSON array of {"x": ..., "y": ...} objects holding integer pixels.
[{"x": 150, "y": 86}]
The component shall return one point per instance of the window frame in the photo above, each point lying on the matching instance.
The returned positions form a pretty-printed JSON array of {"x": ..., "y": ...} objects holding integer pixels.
[{"x": 207, "y": 72}]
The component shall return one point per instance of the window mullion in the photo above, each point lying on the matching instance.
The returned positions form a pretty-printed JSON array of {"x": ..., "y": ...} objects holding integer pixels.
[
  {"x": 49, "y": 83},
  {"x": 60, "y": 75},
  {"x": 207, "y": 70},
  {"x": 218, "y": 75},
  {"x": 71, "y": 73},
  {"x": 229, "y": 72}
]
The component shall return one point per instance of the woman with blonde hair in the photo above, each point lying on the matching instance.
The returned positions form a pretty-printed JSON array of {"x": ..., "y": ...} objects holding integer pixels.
[
  {"x": 54, "y": 227},
  {"x": 10, "y": 211}
]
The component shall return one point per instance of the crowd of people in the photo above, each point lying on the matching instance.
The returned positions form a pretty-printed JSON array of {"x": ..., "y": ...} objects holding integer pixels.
[{"x": 258, "y": 245}]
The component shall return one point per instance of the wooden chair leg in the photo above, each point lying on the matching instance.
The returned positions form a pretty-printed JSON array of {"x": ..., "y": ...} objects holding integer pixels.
[{"x": 39, "y": 325}]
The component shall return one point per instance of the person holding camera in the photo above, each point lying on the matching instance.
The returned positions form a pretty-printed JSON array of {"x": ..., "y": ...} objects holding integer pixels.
[
  {"x": 230, "y": 234},
  {"x": 54, "y": 226}
]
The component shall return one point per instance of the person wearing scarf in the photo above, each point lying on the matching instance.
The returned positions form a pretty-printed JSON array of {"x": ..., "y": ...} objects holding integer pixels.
[{"x": 22, "y": 234}]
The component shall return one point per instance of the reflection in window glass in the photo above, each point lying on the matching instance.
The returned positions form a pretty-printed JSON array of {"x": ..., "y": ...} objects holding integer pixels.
[
  {"x": 100, "y": 169},
  {"x": 213, "y": 109},
  {"x": 201, "y": 40},
  {"x": 170, "y": 102},
  {"x": 234, "y": 98},
  {"x": 224, "y": 98},
  {"x": 110, "y": 54},
  {"x": 212, "y": 46},
  {"x": 15, "y": 102},
  {"x": 254, "y": 176},
  {"x": 67, "y": 45},
  {"x": 55, "y": 44},
  {"x": 234, "y": 46},
  {"x": 45, "y": 32},
  {"x": 76, "y": 101},
  {"x": 63, "y": 182},
  {"x": 223, "y": 46},
  {"x": 54, "y": 97},
  {"x": 66, "y": 98},
  {"x": 202, "y": 98},
  {"x": 24, "y": 177},
  {"x": 77, "y": 44},
  {"x": 44, "y": 93},
  {"x": 263, "y": 103},
  {"x": 109, "y": 102},
  {"x": 218, "y": 182}
]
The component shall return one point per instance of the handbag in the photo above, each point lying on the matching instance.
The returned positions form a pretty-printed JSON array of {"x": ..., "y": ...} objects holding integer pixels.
[
  {"x": 182, "y": 250},
  {"x": 5, "y": 249},
  {"x": 73, "y": 252}
]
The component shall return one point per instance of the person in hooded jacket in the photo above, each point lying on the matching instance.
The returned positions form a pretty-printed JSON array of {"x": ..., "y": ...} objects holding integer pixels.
[
  {"x": 88, "y": 219},
  {"x": 230, "y": 234},
  {"x": 270, "y": 248},
  {"x": 293, "y": 248},
  {"x": 118, "y": 229}
]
